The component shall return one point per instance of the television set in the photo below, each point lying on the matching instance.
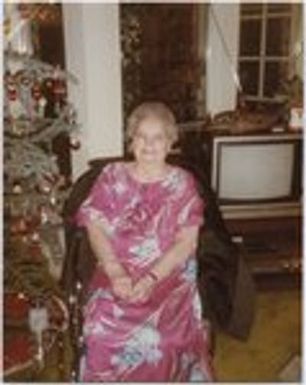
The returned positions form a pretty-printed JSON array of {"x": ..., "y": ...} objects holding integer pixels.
[{"x": 258, "y": 175}]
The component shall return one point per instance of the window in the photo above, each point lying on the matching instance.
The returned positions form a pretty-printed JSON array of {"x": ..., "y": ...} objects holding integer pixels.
[
  {"x": 267, "y": 49},
  {"x": 163, "y": 49}
]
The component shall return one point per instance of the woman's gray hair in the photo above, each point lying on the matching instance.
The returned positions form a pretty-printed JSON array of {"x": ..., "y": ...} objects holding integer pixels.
[{"x": 152, "y": 110}]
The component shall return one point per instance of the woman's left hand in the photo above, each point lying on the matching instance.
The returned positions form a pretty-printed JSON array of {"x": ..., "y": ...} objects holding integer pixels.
[{"x": 142, "y": 289}]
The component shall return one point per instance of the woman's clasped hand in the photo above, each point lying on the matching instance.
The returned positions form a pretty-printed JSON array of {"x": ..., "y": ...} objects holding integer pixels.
[{"x": 132, "y": 291}]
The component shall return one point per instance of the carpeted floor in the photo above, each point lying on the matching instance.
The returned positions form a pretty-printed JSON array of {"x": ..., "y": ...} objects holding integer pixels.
[{"x": 273, "y": 346}]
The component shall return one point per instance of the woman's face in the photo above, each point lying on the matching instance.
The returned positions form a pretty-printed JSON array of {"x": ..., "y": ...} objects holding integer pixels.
[{"x": 150, "y": 143}]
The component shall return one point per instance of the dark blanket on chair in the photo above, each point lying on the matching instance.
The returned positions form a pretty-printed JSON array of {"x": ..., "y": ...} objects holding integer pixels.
[{"x": 225, "y": 284}]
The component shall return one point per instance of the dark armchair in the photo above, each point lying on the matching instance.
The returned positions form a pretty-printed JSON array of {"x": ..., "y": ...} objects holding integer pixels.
[{"x": 225, "y": 284}]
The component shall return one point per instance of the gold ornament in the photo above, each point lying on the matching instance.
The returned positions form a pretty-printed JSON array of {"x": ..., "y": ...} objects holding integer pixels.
[
  {"x": 75, "y": 143},
  {"x": 17, "y": 189}
]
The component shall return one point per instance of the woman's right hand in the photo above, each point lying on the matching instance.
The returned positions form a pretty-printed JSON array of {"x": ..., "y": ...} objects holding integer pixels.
[
  {"x": 142, "y": 289},
  {"x": 122, "y": 287}
]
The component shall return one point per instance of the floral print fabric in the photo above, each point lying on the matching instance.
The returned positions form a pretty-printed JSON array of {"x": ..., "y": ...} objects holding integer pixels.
[{"x": 162, "y": 338}]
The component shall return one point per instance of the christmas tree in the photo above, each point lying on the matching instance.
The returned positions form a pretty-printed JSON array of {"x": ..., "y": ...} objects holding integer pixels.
[{"x": 36, "y": 111}]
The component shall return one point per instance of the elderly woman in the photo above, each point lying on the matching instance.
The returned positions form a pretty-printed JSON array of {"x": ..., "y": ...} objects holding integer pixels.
[{"x": 142, "y": 320}]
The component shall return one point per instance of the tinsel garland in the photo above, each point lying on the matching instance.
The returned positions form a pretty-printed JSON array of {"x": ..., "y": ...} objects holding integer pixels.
[
  {"x": 34, "y": 67},
  {"x": 23, "y": 275},
  {"x": 28, "y": 133},
  {"x": 41, "y": 129},
  {"x": 28, "y": 128},
  {"x": 24, "y": 159},
  {"x": 36, "y": 111}
]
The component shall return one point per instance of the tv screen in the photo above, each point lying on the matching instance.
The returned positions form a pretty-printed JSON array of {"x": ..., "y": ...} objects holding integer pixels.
[{"x": 257, "y": 175}]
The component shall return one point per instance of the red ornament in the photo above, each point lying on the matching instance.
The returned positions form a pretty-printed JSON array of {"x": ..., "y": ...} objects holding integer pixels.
[
  {"x": 35, "y": 251},
  {"x": 16, "y": 306},
  {"x": 19, "y": 226},
  {"x": 36, "y": 92},
  {"x": 11, "y": 88},
  {"x": 51, "y": 178},
  {"x": 62, "y": 181},
  {"x": 12, "y": 94},
  {"x": 59, "y": 89},
  {"x": 33, "y": 222}
]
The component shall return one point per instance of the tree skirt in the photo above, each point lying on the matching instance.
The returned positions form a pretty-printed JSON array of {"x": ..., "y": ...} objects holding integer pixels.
[{"x": 19, "y": 352}]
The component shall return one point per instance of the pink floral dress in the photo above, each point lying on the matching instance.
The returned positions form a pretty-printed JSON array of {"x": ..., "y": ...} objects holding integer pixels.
[{"x": 163, "y": 338}]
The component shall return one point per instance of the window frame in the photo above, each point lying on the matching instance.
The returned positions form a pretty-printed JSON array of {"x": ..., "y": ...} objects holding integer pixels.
[{"x": 262, "y": 59}]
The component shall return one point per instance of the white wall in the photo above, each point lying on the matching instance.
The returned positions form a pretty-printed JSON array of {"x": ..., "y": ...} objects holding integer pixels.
[
  {"x": 92, "y": 45},
  {"x": 220, "y": 80}
]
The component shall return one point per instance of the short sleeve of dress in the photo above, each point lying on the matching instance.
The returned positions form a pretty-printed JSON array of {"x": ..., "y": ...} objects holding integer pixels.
[
  {"x": 100, "y": 204},
  {"x": 191, "y": 211}
]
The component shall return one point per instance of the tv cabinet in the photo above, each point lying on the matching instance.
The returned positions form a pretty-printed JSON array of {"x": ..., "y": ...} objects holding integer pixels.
[
  {"x": 257, "y": 179},
  {"x": 266, "y": 227},
  {"x": 272, "y": 248}
]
